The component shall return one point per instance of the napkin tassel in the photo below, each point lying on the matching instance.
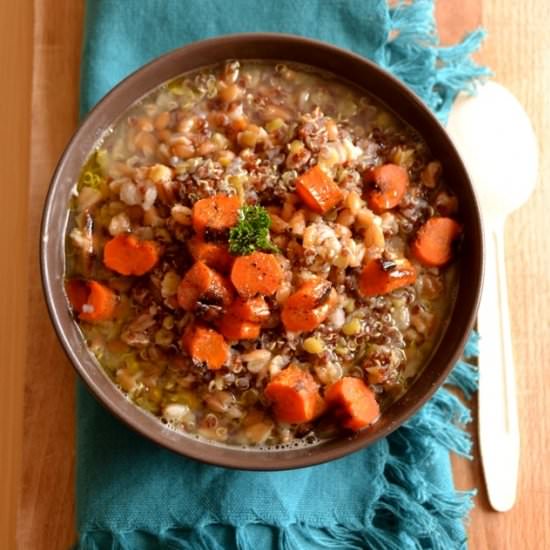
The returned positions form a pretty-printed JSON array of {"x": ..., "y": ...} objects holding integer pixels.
[{"x": 412, "y": 51}]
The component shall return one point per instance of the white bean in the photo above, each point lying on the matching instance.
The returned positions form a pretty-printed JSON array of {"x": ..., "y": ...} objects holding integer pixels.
[
  {"x": 256, "y": 360},
  {"x": 150, "y": 197},
  {"x": 119, "y": 224},
  {"x": 129, "y": 193},
  {"x": 175, "y": 412},
  {"x": 182, "y": 214}
]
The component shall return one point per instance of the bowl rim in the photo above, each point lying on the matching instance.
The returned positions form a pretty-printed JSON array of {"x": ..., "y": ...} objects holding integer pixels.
[{"x": 202, "y": 450}]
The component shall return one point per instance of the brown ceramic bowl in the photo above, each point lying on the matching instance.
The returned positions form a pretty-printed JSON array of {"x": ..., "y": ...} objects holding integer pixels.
[{"x": 282, "y": 48}]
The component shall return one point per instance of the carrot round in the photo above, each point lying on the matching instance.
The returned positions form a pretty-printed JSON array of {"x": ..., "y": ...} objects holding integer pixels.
[
  {"x": 257, "y": 273},
  {"x": 77, "y": 292},
  {"x": 127, "y": 255},
  {"x": 99, "y": 302},
  {"x": 254, "y": 310},
  {"x": 234, "y": 328},
  {"x": 295, "y": 396},
  {"x": 389, "y": 185},
  {"x": 309, "y": 306},
  {"x": 355, "y": 402},
  {"x": 318, "y": 191},
  {"x": 382, "y": 276},
  {"x": 203, "y": 284},
  {"x": 205, "y": 345},
  {"x": 433, "y": 245},
  {"x": 213, "y": 216},
  {"x": 214, "y": 255}
]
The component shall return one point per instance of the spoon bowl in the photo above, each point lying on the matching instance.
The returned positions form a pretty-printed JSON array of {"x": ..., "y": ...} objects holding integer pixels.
[{"x": 495, "y": 139}]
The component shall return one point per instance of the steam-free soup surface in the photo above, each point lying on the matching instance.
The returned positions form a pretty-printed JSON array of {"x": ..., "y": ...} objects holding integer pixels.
[{"x": 261, "y": 254}]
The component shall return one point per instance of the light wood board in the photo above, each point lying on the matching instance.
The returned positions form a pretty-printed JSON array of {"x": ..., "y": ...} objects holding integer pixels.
[
  {"x": 15, "y": 99},
  {"x": 518, "y": 51}
]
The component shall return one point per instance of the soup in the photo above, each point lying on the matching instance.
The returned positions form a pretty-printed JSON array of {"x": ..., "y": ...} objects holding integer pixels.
[{"x": 261, "y": 254}]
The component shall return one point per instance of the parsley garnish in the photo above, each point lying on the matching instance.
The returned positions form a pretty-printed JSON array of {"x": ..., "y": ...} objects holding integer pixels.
[{"x": 251, "y": 232}]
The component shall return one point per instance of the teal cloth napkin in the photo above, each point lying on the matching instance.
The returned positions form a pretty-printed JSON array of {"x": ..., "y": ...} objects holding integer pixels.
[{"x": 395, "y": 495}]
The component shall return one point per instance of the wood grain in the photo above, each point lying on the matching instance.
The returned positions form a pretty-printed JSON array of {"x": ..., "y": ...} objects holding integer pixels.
[
  {"x": 518, "y": 50},
  {"x": 15, "y": 74},
  {"x": 46, "y": 508}
]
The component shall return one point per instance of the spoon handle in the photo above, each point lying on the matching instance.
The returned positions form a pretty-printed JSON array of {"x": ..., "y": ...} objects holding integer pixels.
[{"x": 498, "y": 414}]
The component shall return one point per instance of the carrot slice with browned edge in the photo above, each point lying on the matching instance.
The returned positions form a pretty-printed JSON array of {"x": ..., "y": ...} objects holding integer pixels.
[
  {"x": 389, "y": 185},
  {"x": 257, "y": 273},
  {"x": 202, "y": 284},
  {"x": 318, "y": 191},
  {"x": 254, "y": 310},
  {"x": 99, "y": 305},
  {"x": 77, "y": 292},
  {"x": 295, "y": 396},
  {"x": 205, "y": 345},
  {"x": 354, "y": 401},
  {"x": 309, "y": 306},
  {"x": 214, "y": 216},
  {"x": 214, "y": 255},
  {"x": 234, "y": 328},
  {"x": 433, "y": 245},
  {"x": 127, "y": 255},
  {"x": 382, "y": 276}
]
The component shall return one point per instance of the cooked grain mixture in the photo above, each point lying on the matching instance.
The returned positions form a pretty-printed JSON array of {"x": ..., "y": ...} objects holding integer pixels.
[{"x": 261, "y": 254}]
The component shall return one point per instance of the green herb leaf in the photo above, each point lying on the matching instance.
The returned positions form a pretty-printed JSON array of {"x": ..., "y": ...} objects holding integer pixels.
[{"x": 251, "y": 232}]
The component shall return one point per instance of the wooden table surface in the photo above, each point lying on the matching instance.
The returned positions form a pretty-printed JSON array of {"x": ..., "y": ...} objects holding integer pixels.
[{"x": 38, "y": 461}]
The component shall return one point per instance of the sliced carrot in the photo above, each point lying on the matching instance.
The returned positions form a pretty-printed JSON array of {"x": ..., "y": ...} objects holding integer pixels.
[
  {"x": 188, "y": 294},
  {"x": 389, "y": 185},
  {"x": 309, "y": 306},
  {"x": 93, "y": 301},
  {"x": 318, "y": 191},
  {"x": 295, "y": 396},
  {"x": 254, "y": 310},
  {"x": 234, "y": 328},
  {"x": 354, "y": 401},
  {"x": 214, "y": 255},
  {"x": 205, "y": 345},
  {"x": 257, "y": 273},
  {"x": 241, "y": 322},
  {"x": 433, "y": 246},
  {"x": 77, "y": 292},
  {"x": 127, "y": 255},
  {"x": 382, "y": 276},
  {"x": 203, "y": 284},
  {"x": 100, "y": 303},
  {"x": 214, "y": 216}
]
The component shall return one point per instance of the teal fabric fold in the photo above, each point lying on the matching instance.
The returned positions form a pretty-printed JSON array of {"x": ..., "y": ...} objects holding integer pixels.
[{"x": 397, "y": 494}]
